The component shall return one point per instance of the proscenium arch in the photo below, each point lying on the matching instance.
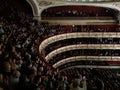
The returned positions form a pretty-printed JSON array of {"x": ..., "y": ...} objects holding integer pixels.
[
  {"x": 35, "y": 8},
  {"x": 111, "y": 6}
]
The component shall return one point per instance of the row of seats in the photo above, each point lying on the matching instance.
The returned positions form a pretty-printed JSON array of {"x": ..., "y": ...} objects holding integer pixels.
[
  {"x": 78, "y": 11},
  {"x": 111, "y": 81},
  {"x": 84, "y": 52},
  {"x": 60, "y": 29},
  {"x": 86, "y": 28},
  {"x": 74, "y": 41}
]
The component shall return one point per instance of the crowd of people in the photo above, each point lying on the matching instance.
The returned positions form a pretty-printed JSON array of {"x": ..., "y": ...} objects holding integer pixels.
[
  {"x": 84, "y": 28},
  {"x": 55, "y": 30},
  {"x": 111, "y": 81},
  {"x": 78, "y": 41},
  {"x": 84, "y": 52},
  {"x": 78, "y": 11},
  {"x": 21, "y": 65}
]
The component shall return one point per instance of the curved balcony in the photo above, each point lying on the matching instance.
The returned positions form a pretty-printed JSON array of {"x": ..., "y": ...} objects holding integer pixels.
[
  {"x": 64, "y": 67},
  {"x": 83, "y": 46},
  {"x": 78, "y": 11},
  {"x": 73, "y": 41},
  {"x": 88, "y": 59},
  {"x": 56, "y": 38}
]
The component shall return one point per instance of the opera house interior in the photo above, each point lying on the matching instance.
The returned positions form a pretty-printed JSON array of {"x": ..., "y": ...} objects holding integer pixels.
[{"x": 59, "y": 44}]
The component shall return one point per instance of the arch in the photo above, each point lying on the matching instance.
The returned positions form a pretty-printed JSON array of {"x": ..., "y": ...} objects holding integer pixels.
[{"x": 35, "y": 7}]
